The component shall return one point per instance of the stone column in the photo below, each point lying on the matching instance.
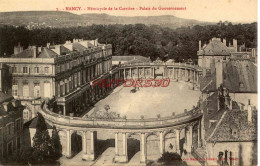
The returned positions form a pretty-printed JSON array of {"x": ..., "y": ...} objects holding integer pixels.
[
  {"x": 84, "y": 144},
  {"x": 116, "y": 146},
  {"x": 88, "y": 142},
  {"x": 130, "y": 70},
  {"x": 161, "y": 143},
  {"x": 64, "y": 110},
  {"x": 144, "y": 73},
  {"x": 124, "y": 75},
  {"x": 143, "y": 149},
  {"x": 121, "y": 145},
  {"x": 68, "y": 134},
  {"x": 189, "y": 139},
  {"x": 178, "y": 141},
  {"x": 173, "y": 74},
  {"x": 124, "y": 144},
  {"x": 194, "y": 76},
  {"x": 197, "y": 77},
  {"x": 199, "y": 134}
]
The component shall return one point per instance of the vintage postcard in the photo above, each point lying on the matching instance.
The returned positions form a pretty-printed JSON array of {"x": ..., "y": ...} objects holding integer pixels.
[{"x": 128, "y": 82}]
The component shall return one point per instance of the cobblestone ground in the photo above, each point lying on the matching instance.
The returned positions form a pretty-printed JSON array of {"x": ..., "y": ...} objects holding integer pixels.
[{"x": 150, "y": 101}]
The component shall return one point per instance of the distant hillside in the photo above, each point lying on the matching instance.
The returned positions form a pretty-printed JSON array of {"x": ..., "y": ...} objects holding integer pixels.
[{"x": 38, "y": 19}]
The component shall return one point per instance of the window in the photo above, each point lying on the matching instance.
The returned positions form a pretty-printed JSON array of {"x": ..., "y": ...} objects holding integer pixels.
[
  {"x": 46, "y": 69},
  {"x": 36, "y": 90},
  {"x": 14, "y": 70},
  {"x": 25, "y": 115},
  {"x": 15, "y": 90},
  {"x": 25, "y": 69},
  {"x": 25, "y": 90},
  {"x": 18, "y": 124},
  {"x": 18, "y": 143},
  {"x": 10, "y": 148},
  {"x": 36, "y": 70}
]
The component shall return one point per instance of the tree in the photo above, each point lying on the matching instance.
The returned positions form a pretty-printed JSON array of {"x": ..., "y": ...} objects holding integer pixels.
[
  {"x": 41, "y": 143},
  {"x": 169, "y": 158},
  {"x": 55, "y": 144}
]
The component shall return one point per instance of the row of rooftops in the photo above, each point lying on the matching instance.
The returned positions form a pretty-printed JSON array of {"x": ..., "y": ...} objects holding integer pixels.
[
  {"x": 69, "y": 50},
  {"x": 216, "y": 47}
]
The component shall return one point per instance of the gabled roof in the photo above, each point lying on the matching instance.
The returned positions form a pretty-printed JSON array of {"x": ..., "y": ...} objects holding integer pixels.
[
  {"x": 27, "y": 53},
  {"x": 215, "y": 47},
  {"x": 218, "y": 124},
  {"x": 47, "y": 53},
  {"x": 235, "y": 120},
  {"x": 238, "y": 76},
  {"x": 5, "y": 97}
]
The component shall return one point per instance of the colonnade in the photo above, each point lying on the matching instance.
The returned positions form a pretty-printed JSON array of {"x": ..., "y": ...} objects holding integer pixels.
[
  {"x": 172, "y": 72},
  {"x": 89, "y": 138}
]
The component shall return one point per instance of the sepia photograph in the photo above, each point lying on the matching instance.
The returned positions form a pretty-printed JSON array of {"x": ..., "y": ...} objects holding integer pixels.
[{"x": 128, "y": 82}]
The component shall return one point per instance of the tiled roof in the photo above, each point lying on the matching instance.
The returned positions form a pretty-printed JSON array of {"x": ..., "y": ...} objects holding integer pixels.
[
  {"x": 47, "y": 53},
  {"x": 5, "y": 97},
  {"x": 236, "y": 120},
  {"x": 27, "y": 53},
  {"x": 219, "y": 123},
  {"x": 215, "y": 47},
  {"x": 79, "y": 47},
  {"x": 239, "y": 76}
]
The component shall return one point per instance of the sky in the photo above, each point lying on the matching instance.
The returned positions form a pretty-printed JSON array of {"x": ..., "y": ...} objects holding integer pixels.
[{"x": 243, "y": 11}]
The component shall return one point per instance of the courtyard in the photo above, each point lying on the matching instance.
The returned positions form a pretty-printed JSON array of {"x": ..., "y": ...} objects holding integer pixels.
[{"x": 149, "y": 101}]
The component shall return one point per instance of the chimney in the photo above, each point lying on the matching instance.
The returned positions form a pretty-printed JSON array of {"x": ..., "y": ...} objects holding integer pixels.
[
  {"x": 249, "y": 112},
  {"x": 199, "y": 45},
  {"x": 225, "y": 42},
  {"x": 235, "y": 44},
  {"x": 219, "y": 73},
  {"x": 18, "y": 49},
  {"x": 5, "y": 104},
  {"x": 48, "y": 45},
  {"x": 57, "y": 49},
  {"x": 35, "y": 50},
  {"x": 39, "y": 49}
]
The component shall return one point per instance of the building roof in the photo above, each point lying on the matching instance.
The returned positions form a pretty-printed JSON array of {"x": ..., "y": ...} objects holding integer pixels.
[
  {"x": 47, "y": 53},
  {"x": 239, "y": 76},
  {"x": 216, "y": 47},
  {"x": 5, "y": 97},
  {"x": 27, "y": 53},
  {"x": 218, "y": 124},
  {"x": 235, "y": 120},
  {"x": 131, "y": 58}
]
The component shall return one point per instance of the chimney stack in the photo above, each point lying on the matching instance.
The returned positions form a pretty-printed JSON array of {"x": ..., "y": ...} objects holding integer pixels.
[
  {"x": 225, "y": 42},
  {"x": 219, "y": 73},
  {"x": 18, "y": 49},
  {"x": 35, "y": 50},
  {"x": 199, "y": 45},
  {"x": 235, "y": 44},
  {"x": 249, "y": 112}
]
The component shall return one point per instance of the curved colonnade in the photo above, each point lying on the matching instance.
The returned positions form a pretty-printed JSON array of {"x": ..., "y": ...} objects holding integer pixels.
[{"x": 163, "y": 133}]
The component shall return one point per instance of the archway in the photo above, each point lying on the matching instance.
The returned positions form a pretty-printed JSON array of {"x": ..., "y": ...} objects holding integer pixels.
[
  {"x": 153, "y": 147},
  {"x": 76, "y": 143},
  {"x": 170, "y": 144},
  {"x": 133, "y": 145}
]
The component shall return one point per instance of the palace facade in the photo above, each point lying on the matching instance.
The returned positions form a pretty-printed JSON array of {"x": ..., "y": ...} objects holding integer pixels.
[{"x": 60, "y": 71}]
